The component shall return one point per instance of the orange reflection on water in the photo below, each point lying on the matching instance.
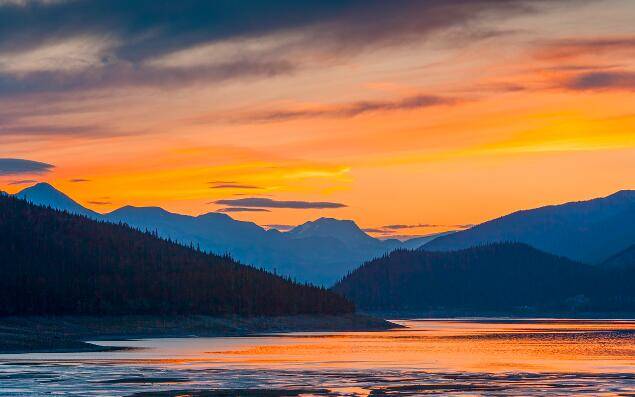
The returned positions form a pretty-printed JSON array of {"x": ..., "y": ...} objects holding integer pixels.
[
  {"x": 485, "y": 346},
  {"x": 427, "y": 357}
]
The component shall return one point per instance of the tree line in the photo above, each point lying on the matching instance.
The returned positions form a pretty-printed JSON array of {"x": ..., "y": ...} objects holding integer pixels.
[{"x": 53, "y": 262}]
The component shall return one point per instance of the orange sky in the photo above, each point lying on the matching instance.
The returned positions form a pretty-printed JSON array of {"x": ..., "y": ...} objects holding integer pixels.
[{"x": 432, "y": 133}]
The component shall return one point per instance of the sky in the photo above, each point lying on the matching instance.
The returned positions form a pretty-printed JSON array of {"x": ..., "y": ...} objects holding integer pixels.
[{"x": 409, "y": 117}]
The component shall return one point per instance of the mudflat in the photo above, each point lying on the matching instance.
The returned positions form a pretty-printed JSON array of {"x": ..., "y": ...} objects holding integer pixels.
[{"x": 68, "y": 333}]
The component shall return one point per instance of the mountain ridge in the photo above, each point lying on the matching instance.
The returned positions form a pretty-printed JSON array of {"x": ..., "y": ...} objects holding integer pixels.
[
  {"x": 587, "y": 231},
  {"x": 319, "y": 251},
  {"x": 493, "y": 278},
  {"x": 56, "y": 263}
]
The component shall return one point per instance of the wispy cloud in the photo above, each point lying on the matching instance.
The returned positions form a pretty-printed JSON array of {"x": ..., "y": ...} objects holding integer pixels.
[
  {"x": 374, "y": 230},
  {"x": 242, "y": 209},
  {"x": 566, "y": 49},
  {"x": 78, "y": 180},
  {"x": 348, "y": 110},
  {"x": 605, "y": 80},
  {"x": 415, "y": 226},
  {"x": 105, "y": 43},
  {"x": 59, "y": 130},
  {"x": 99, "y": 202},
  {"x": 423, "y": 225},
  {"x": 23, "y": 182},
  {"x": 254, "y": 202},
  {"x": 390, "y": 230},
  {"x": 11, "y": 166},
  {"x": 234, "y": 186}
]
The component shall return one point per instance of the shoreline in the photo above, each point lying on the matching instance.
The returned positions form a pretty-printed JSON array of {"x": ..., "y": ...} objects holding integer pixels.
[
  {"x": 485, "y": 315},
  {"x": 68, "y": 334}
]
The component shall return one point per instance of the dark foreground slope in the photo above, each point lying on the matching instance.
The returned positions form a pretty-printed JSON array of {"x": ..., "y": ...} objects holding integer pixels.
[
  {"x": 497, "y": 278},
  {"x": 54, "y": 263}
]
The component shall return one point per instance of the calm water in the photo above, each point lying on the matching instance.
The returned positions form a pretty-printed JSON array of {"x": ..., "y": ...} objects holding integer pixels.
[{"x": 429, "y": 357}]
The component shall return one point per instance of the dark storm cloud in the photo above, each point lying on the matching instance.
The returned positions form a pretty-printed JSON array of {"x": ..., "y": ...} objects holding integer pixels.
[
  {"x": 351, "y": 109},
  {"x": 253, "y": 202},
  {"x": 144, "y": 30},
  {"x": 607, "y": 80},
  {"x": 9, "y": 166}
]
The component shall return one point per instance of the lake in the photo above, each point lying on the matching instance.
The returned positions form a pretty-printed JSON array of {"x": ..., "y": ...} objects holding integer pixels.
[{"x": 429, "y": 357}]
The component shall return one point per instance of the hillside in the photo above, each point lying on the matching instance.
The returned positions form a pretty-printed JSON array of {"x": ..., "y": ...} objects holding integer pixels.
[
  {"x": 622, "y": 260},
  {"x": 502, "y": 277},
  {"x": 52, "y": 262},
  {"x": 586, "y": 231}
]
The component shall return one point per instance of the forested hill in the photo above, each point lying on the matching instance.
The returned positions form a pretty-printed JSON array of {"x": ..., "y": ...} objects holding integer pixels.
[
  {"x": 501, "y": 277},
  {"x": 52, "y": 262}
]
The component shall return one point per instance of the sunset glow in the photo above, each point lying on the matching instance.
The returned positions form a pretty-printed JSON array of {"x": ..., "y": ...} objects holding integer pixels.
[{"x": 491, "y": 110}]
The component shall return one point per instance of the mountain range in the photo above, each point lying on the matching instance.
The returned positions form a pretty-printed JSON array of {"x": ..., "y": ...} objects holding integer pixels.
[
  {"x": 585, "y": 231},
  {"x": 320, "y": 251},
  {"x": 324, "y": 250}
]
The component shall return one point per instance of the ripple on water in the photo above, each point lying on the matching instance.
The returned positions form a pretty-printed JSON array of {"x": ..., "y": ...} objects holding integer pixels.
[{"x": 430, "y": 358}]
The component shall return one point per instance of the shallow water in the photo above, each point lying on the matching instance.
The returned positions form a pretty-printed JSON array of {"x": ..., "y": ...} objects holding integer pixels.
[{"x": 429, "y": 357}]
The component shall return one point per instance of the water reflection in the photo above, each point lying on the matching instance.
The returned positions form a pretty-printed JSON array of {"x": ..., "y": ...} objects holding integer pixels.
[{"x": 429, "y": 357}]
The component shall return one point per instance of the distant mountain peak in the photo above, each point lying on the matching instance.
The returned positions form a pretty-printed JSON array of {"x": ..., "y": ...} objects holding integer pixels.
[
  {"x": 343, "y": 229},
  {"x": 146, "y": 210},
  {"x": 215, "y": 215},
  {"x": 41, "y": 188},
  {"x": 45, "y": 194}
]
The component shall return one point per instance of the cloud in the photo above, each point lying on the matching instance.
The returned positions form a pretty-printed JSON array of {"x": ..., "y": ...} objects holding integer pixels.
[
  {"x": 124, "y": 74},
  {"x": 39, "y": 130},
  {"x": 558, "y": 50},
  {"x": 253, "y": 202},
  {"x": 234, "y": 186},
  {"x": 605, "y": 80},
  {"x": 415, "y": 226},
  {"x": 58, "y": 46},
  {"x": 391, "y": 229},
  {"x": 9, "y": 166},
  {"x": 374, "y": 230},
  {"x": 242, "y": 209},
  {"x": 352, "y": 109},
  {"x": 97, "y": 202},
  {"x": 78, "y": 180},
  {"x": 23, "y": 182}
]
